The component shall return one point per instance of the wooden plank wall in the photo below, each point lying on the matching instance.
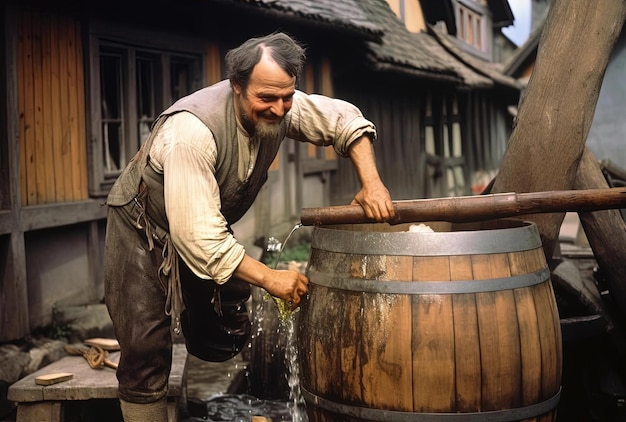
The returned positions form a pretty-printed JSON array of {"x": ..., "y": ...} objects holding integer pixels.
[
  {"x": 399, "y": 149},
  {"x": 486, "y": 130},
  {"x": 214, "y": 63},
  {"x": 51, "y": 109},
  {"x": 401, "y": 120}
]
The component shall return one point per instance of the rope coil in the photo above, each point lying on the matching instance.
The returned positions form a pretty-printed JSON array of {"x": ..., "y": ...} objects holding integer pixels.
[{"x": 95, "y": 356}]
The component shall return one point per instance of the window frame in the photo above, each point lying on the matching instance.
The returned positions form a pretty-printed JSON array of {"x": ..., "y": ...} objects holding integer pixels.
[
  {"x": 133, "y": 44},
  {"x": 481, "y": 9},
  {"x": 445, "y": 145}
]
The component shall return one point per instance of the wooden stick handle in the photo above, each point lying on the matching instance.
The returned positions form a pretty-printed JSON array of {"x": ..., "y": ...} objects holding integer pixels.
[{"x": 476, "y": 208}]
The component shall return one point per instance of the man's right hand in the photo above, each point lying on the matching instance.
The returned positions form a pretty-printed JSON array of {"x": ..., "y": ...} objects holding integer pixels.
[{"x": 288, "y": 285}]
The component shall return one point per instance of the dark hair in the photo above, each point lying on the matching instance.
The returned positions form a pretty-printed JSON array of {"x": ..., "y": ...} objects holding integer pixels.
[{"x": 283, "y": 49}]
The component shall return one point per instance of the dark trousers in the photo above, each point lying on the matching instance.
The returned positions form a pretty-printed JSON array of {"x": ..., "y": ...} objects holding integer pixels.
[{"x": 135, "y": 298}]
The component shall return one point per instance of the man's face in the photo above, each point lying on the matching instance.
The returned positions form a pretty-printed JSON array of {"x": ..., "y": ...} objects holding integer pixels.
[{"x": 268, "y": 97}]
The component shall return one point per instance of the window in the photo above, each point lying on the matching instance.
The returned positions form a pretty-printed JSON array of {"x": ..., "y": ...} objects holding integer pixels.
[
  {"x": 133, "y": 86},
  {"x": 444, "y": 146},
  {"x": 146, "y": 94},
  {"x": 453, "y": 147},
  {"x": 111, "y": 89},
  {"x": 473, "y": 22},
  {"x": 470, "y": 24}
]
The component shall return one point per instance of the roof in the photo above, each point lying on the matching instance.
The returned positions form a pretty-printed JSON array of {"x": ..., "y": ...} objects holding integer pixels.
[
  {"x": 428, "y": 54},
  {"x": 390, "y": 46},
  {"x": 342, "y": 13},
  {"x": 490, "y": 70},
  {"x": 527, "y": 52},
  {"x": 441, "y": 10},
  {"x": 524, "y": 53},
  {"x": 501, "y": 13},
  {"x": 402, "y": 51}
]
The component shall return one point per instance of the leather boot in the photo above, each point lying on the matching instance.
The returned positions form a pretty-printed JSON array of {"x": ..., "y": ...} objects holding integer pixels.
[{"x": 145, "y": 412}]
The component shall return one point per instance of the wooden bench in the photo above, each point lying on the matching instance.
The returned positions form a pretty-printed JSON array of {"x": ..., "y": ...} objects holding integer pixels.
[{"x": 46, "y": 403}]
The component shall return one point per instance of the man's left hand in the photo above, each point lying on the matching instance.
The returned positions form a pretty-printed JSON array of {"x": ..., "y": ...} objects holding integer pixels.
[{"x": 376, "y": 202}]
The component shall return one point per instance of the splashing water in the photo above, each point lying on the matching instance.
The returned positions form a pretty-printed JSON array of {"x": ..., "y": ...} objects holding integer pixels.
[
  {"x": 296, "y": 400},
  {"x": 238, "y": 403},
  {"x": 242, "y": 408},
  {"x": 287, "y": 326},
  {"x": 284, "y": 307}
]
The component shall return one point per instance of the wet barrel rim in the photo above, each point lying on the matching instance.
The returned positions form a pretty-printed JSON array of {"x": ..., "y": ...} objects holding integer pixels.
[{"x": 516, "y": 239}]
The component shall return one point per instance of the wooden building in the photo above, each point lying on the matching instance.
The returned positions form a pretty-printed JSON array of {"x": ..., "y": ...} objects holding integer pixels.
[
  {"x": 83, "y": 80},
  {"x": 437, "y": 95}
]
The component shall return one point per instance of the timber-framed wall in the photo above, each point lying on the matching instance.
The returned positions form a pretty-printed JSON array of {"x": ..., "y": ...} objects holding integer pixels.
[
  {"x": 52, "y": 220},
  {"x": 52, "y": 213}
]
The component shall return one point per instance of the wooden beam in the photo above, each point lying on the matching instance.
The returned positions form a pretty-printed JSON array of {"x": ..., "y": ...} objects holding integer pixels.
[
  {"x": 13, "y": 293},
  {"x": 605, "y": 231},
  {"x": 14, "y": 315},
  {"x": 62, "y": 214},
  {"x": 8, "y": 222}
]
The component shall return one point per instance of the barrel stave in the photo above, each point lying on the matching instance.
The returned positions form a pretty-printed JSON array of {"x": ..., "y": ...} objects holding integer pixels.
[{"x": 377, "y": 347}]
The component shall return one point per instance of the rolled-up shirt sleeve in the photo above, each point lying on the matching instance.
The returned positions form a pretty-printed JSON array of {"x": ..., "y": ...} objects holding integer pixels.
[
  {"x": 325, "y": 121},
  {"x": 185, "y": 152}
]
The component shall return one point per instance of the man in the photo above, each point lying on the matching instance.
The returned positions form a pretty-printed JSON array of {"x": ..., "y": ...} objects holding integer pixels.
[{"x": 170, "y": 256}]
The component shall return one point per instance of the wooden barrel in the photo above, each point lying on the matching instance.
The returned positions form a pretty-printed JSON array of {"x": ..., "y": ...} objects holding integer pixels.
[{"x": 456, "y": 325}]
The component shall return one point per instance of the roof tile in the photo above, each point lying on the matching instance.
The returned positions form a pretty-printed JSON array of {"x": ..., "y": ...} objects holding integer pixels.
[
  {"x": 426, "y": 54},
  {"x": 339, "y": 12}
]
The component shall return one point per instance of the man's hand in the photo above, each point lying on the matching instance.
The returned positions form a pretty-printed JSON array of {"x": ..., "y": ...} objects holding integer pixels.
[
  {"x": 288, "y": 285},
  {"x": 376, "y": 202},
  {"x": 373, "y": 196},
  {"x": 285, "y": 284}
]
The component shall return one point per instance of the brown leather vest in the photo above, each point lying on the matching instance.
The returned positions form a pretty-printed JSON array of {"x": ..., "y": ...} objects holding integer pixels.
[{"x": 215, "y": 108}]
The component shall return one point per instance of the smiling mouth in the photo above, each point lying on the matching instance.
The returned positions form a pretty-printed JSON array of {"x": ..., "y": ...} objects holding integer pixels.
[{"x": 271, "y": 119}]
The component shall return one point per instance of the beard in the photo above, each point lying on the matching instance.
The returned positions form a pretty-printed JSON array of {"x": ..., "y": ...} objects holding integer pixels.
[
  {"x": 259, "y": 132},
  {"x": 265, "y": 132}
]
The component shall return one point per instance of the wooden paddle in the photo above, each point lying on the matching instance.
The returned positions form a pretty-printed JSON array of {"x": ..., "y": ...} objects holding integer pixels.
[{"x": 475, "y": 208}]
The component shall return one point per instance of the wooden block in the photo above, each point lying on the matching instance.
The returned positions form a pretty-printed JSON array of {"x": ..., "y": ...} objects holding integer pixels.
[
  {"x": 110, "y": 344},
  {"x": 88, "y": 383},
  {"x": 56, "y": 378},
  {"x": 260, "y": 419}
]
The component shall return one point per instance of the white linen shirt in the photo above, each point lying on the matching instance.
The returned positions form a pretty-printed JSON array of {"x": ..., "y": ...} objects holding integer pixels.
[{"x": 184, "y": 151}]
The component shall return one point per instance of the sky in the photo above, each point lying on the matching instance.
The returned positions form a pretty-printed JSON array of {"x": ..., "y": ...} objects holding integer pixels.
[{"x": 518, "y": 32}]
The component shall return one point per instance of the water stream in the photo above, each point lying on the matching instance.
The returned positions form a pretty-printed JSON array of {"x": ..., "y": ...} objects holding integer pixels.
[
  {"x": 225, "y": 406},
  {"x": 287, "y": 326}
]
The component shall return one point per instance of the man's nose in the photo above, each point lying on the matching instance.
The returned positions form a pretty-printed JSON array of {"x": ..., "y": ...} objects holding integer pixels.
[{"x": 278, "y": 108}]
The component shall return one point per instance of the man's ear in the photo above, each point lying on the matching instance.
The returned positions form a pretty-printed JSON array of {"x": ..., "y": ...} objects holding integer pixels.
[{"x": 237, "y": 89}]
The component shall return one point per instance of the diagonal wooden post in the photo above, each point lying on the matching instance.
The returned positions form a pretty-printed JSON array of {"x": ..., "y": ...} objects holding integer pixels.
[
  {"x": 557, "y": 107},
  {"x": 605, "y": 231}
]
